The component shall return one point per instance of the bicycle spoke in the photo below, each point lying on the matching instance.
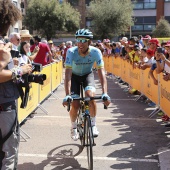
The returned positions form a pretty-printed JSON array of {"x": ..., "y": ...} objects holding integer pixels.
[{"x": 88, "y": 140}]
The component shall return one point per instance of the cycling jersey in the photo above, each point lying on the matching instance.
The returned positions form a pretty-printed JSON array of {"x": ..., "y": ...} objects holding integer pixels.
[{"x": 83, "y": 65}]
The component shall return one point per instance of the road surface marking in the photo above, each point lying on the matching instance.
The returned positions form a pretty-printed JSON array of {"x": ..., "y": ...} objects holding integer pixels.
[{"x": 84, "y": 157}]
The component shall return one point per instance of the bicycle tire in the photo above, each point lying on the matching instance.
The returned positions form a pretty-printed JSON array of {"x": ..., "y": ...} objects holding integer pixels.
[
  {"x": 89, "y": 142},
  {"x": 80, "y": 128}
]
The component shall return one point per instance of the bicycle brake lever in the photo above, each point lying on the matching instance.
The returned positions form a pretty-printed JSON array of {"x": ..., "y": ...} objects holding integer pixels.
[
  {"x": 105, "y": 99},
  {"x": 68, "y": 106}
]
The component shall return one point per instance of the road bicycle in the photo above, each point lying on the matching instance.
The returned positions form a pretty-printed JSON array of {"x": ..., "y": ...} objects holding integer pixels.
[{"x": 84, "y": 127}]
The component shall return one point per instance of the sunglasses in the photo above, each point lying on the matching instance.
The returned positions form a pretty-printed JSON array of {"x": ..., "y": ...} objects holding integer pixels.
[
  {"x": 18, "y": 39},
  {"x": 82, "y": 40}
]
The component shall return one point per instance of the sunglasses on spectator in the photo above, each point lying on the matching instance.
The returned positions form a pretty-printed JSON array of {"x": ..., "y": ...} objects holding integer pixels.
[
  {"x": 18, "y": 39},
  {"x": 82, "y": 40},
  {"x": 151, "y": 43}
]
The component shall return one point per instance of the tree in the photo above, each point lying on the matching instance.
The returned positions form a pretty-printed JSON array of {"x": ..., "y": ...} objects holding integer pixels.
[
  {"x": 49, "y": 16},
  {"x": 162, "y": 29},
  {"x": 111, "y": 17}
]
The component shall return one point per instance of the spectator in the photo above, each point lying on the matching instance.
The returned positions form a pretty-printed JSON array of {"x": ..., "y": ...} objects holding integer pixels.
[
  {"x": 150, "y": 56},
  {"x": 24, "y": 51},
  {"x": 124, "y": 42},
  {"x": 153, "y": 44},
  {"x": 15, "y": 39},
  {"x": 41, "y": 57},
  {"x": 163, "y": 63},
  {"x": 9, "y": 126},
  {"x": 140, "y": 38},
  {"x": 68, "y": 45},
  {"x": 25, "y": 35},
  {"x": 146, "y": 40}
]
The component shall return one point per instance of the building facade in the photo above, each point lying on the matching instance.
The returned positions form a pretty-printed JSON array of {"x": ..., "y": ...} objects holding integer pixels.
[
  {"x": 18, "y": 26},
  {"x": 146, "y": 14}
]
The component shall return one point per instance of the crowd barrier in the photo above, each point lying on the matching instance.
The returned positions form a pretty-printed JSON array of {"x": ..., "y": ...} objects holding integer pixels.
[
  {"x": 141, "y": 81},
  {"x": 38, "y": 93}
]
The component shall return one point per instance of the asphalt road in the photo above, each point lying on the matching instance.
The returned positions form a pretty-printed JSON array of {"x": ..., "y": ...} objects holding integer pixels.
[{"x": 128, "y": 139}]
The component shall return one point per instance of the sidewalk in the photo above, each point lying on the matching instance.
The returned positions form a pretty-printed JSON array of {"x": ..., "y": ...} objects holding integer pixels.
[{"x": 128, "y": 139}]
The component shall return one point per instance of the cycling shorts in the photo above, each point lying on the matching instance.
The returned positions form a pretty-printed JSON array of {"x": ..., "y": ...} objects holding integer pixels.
[{"x": 87, "y": 80}]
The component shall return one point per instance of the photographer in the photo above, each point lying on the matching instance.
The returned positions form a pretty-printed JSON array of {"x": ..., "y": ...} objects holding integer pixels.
[
  {"x": 4, "y": 54},
  {"x": 9, "y": 127},
  {"x": 163, "y": 62}
]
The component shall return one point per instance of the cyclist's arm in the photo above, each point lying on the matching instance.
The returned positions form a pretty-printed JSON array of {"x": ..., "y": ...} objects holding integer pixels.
[
  {"x": 102, "y": 77},
  {"x": 67, "y": 82}
]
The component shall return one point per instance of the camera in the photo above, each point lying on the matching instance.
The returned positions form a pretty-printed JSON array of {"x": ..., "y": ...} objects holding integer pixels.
[
  {"x": 161, "y": 50},
  {"x": 27, "y": 79},
  {"x": 34, "y": 78},
  {"x": 15, "y": 54}
]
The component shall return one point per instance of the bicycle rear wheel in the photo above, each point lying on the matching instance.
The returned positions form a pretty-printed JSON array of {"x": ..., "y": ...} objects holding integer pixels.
[
  {"x": 80, "y": 127},
  {"x": 89, "y": 142}
]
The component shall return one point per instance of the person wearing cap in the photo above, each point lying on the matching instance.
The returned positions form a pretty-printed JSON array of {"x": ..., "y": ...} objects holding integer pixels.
[
  {"x": 146, "y": 39},
  {"x": 163, "y": 62},
  {"x": 25, "y": 35},
  {"x": 124, "y": 42},
  {"x": 153, "y": 44},
  {"x": 41, "y": 57}
]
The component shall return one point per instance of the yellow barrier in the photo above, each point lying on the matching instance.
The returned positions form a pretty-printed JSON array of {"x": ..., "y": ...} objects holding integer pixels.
[
  {"x": 163, "y": 40},
  {"x": 45, "y": 89},
  {"x": 164, "y": 95},
  {"x": 150, "y": 90},
  {"x": 141, "y": 81},
  {"x": 55, "y": 75},
  {"x": 32, "y": 102},
  {"x": 39, "y": 92},
  {"x": 116, "y": 66}
]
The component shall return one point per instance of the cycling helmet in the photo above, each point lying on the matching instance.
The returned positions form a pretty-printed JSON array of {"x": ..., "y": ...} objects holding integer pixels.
[{"x": 84, "y": 33}]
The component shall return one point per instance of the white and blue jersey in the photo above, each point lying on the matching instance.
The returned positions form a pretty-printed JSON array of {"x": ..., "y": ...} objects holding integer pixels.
[{"x": 83, "y": 65}]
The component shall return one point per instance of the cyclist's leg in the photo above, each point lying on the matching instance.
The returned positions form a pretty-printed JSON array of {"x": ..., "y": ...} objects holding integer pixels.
[
  {"x": 75, "y": 91},
  {"x": 90, "y": 92}
]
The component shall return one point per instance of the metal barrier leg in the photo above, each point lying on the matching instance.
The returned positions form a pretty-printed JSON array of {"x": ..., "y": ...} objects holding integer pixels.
[
  {"x": 23, "y": 137},
  {"x": 138, "y": 97},
  {"x": 56, "y": 97},
  {"x": 42, "y": 108},
  {"x": 155, "y": 112}
]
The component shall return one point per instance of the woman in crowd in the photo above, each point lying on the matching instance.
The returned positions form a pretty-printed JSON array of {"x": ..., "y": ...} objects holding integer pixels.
[{"x": 24, "y": 51}]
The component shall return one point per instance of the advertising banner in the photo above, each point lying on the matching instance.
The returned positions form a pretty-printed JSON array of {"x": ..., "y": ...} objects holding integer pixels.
[
  {"x": 164, "y": 95},
  {"x": 32, "y": 102},
  {"x": 45, "y": 89}
]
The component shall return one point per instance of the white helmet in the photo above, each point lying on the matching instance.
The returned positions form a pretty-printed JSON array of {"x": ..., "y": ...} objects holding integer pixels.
[{"x": 84, "y": 33}]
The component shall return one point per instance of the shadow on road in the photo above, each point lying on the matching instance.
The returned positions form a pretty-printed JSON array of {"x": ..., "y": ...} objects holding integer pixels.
[
  {"x": 59, "y": 158},
  {"x": 139, "y": 136}
]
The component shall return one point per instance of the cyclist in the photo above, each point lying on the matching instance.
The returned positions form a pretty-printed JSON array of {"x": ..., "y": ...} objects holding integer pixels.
[{"x": 78, "y": 68}]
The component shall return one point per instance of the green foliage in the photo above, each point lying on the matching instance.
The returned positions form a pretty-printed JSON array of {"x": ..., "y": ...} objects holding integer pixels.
[
  {"x": 162, "y": 29},
  {"x": 48, "y": 16},
  {"x": 111, "y": 16}
]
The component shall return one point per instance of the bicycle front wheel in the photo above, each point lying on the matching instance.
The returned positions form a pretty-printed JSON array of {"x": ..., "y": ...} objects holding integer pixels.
[{"x": 88, "y": 142}]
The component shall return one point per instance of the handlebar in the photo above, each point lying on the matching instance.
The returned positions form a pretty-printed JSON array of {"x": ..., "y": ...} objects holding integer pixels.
[{"x": 86, "y": 99}]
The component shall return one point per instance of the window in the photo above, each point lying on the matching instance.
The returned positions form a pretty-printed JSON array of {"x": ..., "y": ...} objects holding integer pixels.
[
  {"x": 137, "y": 28},
  {"x": 167, "y": 18},
  {"x": 149, "y": 27},
  {"x": 60, "y": 1},
  {"x": 144, "y": 4},
  {"x": 143, "y": 20},
  {"x": 15, "y": 3},
  {"x": 73, "y": 2},
  {"x": 88, "y": 2},
  {"x": 16, "y": 30},
  {"x": 88, "y": 22}
]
